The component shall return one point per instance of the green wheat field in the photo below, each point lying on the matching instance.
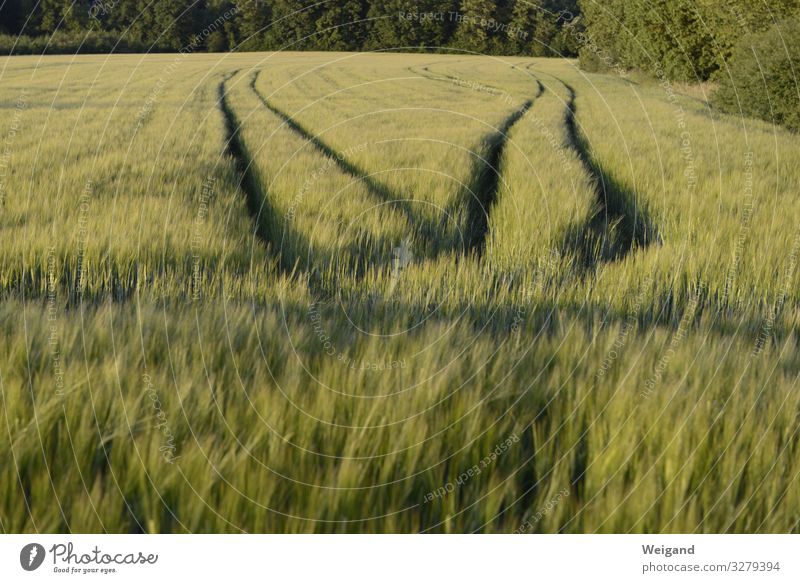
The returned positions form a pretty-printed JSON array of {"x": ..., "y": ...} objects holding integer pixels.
[{"x": 383, "y": 293}]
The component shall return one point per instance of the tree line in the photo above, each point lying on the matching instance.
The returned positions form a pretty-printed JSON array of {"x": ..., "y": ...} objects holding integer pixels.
[
  {"x": 687, "y": 40},
  {"x": 748, "y": 49},
  {"x": 511, "y": 27}
]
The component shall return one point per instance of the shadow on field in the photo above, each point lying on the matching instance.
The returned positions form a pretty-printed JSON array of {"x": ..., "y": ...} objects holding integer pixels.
[
  {"x": 428, "y": 231},
  {"x": 265, "y": 223},
  {"x": 481, "y": 192},
  {"x": 295, "y": 251},
  {"x": 503, "y": 321},
  {"x": 620, "y": 225}
]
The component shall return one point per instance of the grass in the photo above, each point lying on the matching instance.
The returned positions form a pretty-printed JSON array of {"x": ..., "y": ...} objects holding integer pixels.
[{"x": 391, "y": 293}]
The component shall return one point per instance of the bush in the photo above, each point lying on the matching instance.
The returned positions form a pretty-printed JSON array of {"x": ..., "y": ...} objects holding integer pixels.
[
  {"x": 65, "y": 43},
  {"x": 681, "y": 40},
  {"x": 216, "y": 42},
  {"x": 762, "y": 79}
]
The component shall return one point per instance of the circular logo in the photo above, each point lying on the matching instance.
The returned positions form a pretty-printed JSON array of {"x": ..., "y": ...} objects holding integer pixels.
[{"x": 31, "y": 556}]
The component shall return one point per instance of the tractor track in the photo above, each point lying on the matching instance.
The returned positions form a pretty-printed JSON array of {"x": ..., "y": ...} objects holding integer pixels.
[
  {"x": 483, "y": 187},
  {"x": 427, "y": 230},
  {"x": 258, "y": 206},
  {"x": 268, "y": 227},
  {"x": 620, "y": 226},
  {"x": 479, "y": 196},
  {"x": 485, "y": 182}
]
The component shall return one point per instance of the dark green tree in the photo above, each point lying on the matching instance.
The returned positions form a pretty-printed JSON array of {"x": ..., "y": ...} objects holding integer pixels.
[
  {"x": 760, "y": 80},
  {"x": 77, "y": 16},
  {"x": 679, "y": 39},
  {"x": 13, "y": 17},
  {"x": 474, "y": 30},
  {"x": 253, "y": 21},
  {"x": 341, "y": 26},
  {"x": 500, "y": 28},
  {"x": 293, "y": 25},
  {"x": 407, "y": 24},
  {"x": 492, "y": 26},
  {"x": 177, "y": 22},
  {"x": 52, "y": 15},
  {"x": 525, "y": 15}
]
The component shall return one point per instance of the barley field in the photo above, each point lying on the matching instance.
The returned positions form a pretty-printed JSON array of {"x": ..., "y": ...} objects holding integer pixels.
[{"x": 391, "y": 293}]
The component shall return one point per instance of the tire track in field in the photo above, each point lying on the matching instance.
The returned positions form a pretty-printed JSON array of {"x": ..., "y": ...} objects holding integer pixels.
[
  {"x": 276, "y": 234},
  {"x": 456, "y": 81},
  {"x": 484, "y": 182},
  {"x": 262, "y": 213},
  {"x": 428, "y": 230},
  {"x": 620, "y": 225},
  {"x": 467, "y": 84}
]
